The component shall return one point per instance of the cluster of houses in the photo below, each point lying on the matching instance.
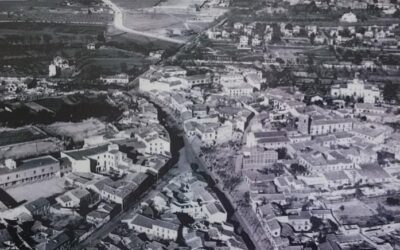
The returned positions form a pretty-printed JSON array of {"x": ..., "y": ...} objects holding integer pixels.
[
  {"x": 331, "y": 153},
  {"x": 100, "y": 179},
  {"x": 185, "y": 194}
]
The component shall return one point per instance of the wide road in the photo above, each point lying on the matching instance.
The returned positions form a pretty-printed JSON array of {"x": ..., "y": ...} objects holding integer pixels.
[{"x": 119, "y": 24}]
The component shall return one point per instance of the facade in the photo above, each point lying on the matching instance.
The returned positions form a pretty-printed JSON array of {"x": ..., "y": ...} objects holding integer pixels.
[{"x": 321, "y": 125}]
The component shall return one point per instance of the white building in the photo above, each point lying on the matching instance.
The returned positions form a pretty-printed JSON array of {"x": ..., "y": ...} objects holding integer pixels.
[
  {"x": 153, "y": 227},
  {"x": 101, "y": 159},
  {"x": 116, "y": 79},
  {"x": 349, "y": 18},
  {"x": 357, "y": 89}
]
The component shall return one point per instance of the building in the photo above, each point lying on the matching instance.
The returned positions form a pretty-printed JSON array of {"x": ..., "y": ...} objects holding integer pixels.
[
  {"x": 166, "y": 78},
  {"x": 358, "y": 89},
  {"x": 153, "y": 227},
  {"x": 237, "y": 90},
  {"x": 101, "y": 159},
  {"x": 254, "y": 158},
  {"x": 349, "y": 17},
  {"x": 323, "y": 124},
  {"x": 74, "y": 198},
  {"x": 215, "y": 213},
  {"x": 38, "y": 207},
  {"x": 29, "y": 171},
  {"x": 115, "y": 79},
  {"x": 268, "y": 140},
  {"x": 155, "y": 142},
  {"x": 328, "y": 161}
]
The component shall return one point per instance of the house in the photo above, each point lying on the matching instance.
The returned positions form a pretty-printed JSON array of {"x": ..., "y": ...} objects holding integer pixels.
[
  {"x": 60, "y": 241},
  {"x": 371, "y": 173},
  {"x": 38, "y": 207},
  {"x": 120, "y": 192},
  {"x": 167, "y": 78},
  {"x": 101, "y": 159},
  {"x": 153, "y": 227},
  {"x": 200, "y": 110},
  {"x": 325, "y": 161},
  {"x": 274, "y": 227},
  {"x": 215, "y": 213},
  {"x": 97, "y": 218},
  {"x": 301, "y": 221},
  {"x": 372, "y": 134},
  {"x": 349, "y": 17},
  {"x": 254, "y": 80},
  {"x": 156, "y": 143},
  {"x": 74, "y": 198}
]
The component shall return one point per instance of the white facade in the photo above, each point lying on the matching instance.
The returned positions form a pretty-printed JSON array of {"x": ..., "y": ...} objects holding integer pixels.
[{"x": 358, "y": 89}]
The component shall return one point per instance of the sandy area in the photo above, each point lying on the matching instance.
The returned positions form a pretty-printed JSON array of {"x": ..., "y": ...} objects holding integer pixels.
[{"x": 36, "y": 190}]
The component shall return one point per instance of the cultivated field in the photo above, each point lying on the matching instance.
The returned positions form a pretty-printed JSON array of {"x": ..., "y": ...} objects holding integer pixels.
[{"x": 31, "y": 148}]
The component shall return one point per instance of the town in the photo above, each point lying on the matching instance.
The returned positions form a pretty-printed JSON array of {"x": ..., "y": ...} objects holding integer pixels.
[{"x": 223, "y": 124}]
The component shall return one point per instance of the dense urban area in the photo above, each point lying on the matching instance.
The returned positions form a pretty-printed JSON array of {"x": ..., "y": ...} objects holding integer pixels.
[{"x": 200, "y": 124}]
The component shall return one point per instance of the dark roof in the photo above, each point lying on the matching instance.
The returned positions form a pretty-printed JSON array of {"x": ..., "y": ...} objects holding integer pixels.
[
  {"x": 80, "y": 154},
  {"x": 38, "y": 162},
  {"x": 37, "y": 204},
  {"x": 58, "y": 241},
  {"x": 144, "y": 221}
]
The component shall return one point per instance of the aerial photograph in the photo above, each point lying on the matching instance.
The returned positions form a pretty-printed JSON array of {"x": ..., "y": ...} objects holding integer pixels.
[{"x": 200, "y": 124}]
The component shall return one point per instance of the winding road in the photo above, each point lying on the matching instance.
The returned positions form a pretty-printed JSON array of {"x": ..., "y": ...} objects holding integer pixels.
[{"x": 119, "y": 24}]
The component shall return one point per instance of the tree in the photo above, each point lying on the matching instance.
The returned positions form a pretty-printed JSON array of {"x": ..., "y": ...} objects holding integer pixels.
[
  {"x": 276, "y": 34},
  {"x": 390, "y": 91},
  {"x": 312, "y": 38},
  {"x": 297, "y": 169},
  {"x": 32, "y": 84},
  {"x": 101, "y": 37},
  {"x": 316, "y": 223}
]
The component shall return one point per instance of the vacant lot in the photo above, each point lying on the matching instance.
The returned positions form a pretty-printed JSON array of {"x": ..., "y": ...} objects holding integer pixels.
[
  {"x": 77, "y": 131},
  {"x": 352, "y": 211},
  {"x": 45, "y": 188}
]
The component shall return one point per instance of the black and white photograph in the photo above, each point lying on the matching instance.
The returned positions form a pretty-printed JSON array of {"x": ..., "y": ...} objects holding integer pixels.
[{"x": 199, "y": 124}]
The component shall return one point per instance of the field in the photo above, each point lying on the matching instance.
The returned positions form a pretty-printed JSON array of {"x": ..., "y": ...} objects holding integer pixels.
[
  {"x": 29, "y": 47},
  {"x": 10, "y": 137},
  {"x": 77, "y": 131},
  {"x": 136, "y": 4},
  {"x": 31, "y": 148}
]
